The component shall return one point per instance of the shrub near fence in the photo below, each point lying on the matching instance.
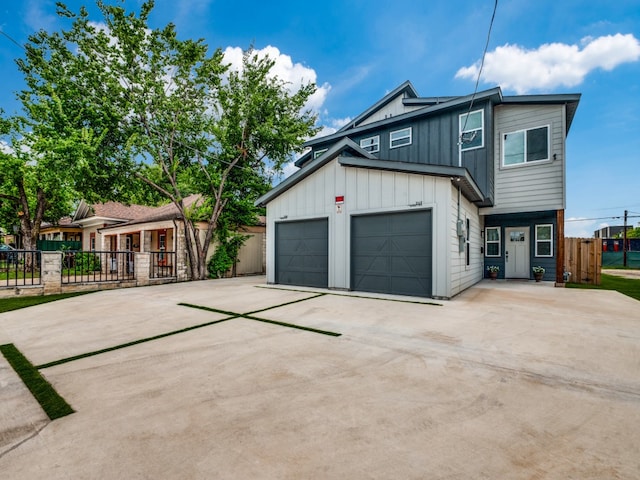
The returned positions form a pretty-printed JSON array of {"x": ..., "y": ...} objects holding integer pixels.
[{"x": 96, "y": 266}]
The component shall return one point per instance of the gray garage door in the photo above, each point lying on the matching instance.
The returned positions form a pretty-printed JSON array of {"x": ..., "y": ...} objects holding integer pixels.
[
  {"x": 391, "y": 253},
  {"x": 302, "y": 253}
]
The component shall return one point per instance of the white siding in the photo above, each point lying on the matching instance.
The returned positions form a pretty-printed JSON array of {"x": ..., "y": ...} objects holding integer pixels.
[
  {"x": 392, "y": 109},
  {"x": 462, "y": 275},
  {"x": 365, "y": 191},
  {"x": 537, "y": 185}
]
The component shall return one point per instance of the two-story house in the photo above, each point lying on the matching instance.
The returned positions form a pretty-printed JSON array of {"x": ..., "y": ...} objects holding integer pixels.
[{"x": 416, "y": 196}]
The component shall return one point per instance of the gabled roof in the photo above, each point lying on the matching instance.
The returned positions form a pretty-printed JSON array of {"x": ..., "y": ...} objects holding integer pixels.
[
  {"x": 159, "y": 214},
  {"x": 344, "y": 146},
  {"x": 111, "y": 211},
  {"x": 406, "y": 90},
  {"x": 494, "y": 94}
]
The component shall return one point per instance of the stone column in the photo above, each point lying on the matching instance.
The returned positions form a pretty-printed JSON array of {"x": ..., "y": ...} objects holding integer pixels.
[
  {"x": 142, "y": 263},
  {"x": 51, "y": 272}
]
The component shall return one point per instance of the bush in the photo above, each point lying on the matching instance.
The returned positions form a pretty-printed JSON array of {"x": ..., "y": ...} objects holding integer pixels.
[
  {"x": 87, "y": 262},
  {"x": 225, "y": 255}
]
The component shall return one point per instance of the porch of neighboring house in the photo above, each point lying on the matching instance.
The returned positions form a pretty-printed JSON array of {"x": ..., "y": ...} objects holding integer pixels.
[{"x": 160, "y": 243}]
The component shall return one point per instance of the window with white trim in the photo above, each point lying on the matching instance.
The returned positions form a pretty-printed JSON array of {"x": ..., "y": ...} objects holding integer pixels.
[
  {"x": 371, "y": 144},
  {"x": 471, "y": 130},
  {"x": 525, "y": 146},
  {"x": 492, "y": 241},
  {"x": 400, "y": 138},
  {"x": 544, "y": 240},
  {"x": 317, "y": 153}
]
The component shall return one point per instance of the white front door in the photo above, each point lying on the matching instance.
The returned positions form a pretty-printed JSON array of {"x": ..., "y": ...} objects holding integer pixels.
[{"x": 516, "y": 252}]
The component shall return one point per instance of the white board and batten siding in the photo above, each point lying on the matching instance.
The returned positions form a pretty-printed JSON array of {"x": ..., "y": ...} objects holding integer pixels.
[
  {"x": 365, "y": 192},
  {"x": 464, "y": 276},
  {"x": 392, "y": 109},
  {"x": 530, "y": 186}
]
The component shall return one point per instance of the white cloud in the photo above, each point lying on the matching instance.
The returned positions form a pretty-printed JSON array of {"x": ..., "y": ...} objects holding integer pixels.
[
  {"x": 294, "y": 74},
  {"x": 36, "y": 16},
  {"x": 5, "y": 147},
  {"x": 553, "y": 64}
]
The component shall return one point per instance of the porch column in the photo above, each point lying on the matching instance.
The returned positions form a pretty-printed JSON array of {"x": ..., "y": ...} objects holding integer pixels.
[{"x": 142, "y": 261}]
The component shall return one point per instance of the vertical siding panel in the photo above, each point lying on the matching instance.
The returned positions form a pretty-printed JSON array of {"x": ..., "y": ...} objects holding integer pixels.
[
  {"x": 416, "y": 193},
  {"x": 362, "y": 182},
  {"x": 401, "y": 187},
  {"x": 375, "y": 189},
  {"x": 388, "y": 190}
]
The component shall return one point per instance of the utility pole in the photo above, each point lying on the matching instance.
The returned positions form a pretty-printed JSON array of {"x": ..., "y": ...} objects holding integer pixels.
[{"x": 624, "y": 239}]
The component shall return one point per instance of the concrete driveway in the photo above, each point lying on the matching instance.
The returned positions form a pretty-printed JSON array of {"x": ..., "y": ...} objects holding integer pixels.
[{"x": 508, "y": 380}]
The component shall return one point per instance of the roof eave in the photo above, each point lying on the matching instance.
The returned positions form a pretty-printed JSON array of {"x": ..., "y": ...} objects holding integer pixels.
[
  {"x": 458, "y": 175},
  {"x": 494, "y": 94},
  {"x": 345, "y": 144}
]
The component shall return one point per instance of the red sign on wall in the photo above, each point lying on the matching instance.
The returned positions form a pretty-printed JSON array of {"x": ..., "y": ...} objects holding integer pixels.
[{"x": 340, "y": 200}]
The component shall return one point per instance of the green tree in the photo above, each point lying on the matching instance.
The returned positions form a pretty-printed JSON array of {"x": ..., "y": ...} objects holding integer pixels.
[
  {"x": 635, "y": 233},
  {"x": 36, "y": 184},
  {"x": 170, "y": 114}
]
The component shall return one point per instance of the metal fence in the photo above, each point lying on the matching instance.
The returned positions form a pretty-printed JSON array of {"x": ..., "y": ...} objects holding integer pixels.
[
  {"x": 97, "y": 266},
  {"x": 162, "y": 264},
  {"x": 20, "y": 268}
]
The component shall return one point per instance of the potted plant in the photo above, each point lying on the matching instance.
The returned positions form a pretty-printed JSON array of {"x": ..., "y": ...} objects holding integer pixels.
[
  {"x": 493, "y": 271},
  {"x": 538, "y": 273}
]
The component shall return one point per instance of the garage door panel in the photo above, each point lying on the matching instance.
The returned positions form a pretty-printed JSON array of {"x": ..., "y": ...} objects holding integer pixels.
[
  {"x": 391, "y": 253},
  {"x": 411, "y": 266},
  {"x": 302, "y": 253},
  {"x": 371, "y": 264}
]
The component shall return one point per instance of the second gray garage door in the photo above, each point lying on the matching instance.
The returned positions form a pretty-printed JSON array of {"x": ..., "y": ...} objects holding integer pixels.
[
  {"x": 302, "y": 253},
  {"x": 391, "y": 253}
]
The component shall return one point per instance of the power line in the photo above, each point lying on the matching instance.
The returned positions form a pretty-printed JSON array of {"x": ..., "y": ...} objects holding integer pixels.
[
  {"x": 600, "y": 218},
  {"x": 12, "y": 39},
  {"x": 484, "y": 54}
]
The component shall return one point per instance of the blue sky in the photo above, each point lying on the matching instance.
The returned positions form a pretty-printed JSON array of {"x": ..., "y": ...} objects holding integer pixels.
[{"x": 356, "y": 51}]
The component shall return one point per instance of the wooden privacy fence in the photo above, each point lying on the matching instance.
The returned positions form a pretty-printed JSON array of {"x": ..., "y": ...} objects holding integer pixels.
[{"x": 582, "y": 258}]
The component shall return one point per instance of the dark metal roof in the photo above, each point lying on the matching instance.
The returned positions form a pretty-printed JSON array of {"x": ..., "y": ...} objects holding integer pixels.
[
  {"x": 345, "y": 145},
  {"x": 494, "y": 94},
  {"x": 459, "y": 175},
  {"x": 571, "y": 100}
]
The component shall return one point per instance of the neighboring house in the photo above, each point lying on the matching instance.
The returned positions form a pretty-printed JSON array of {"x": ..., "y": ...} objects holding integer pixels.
[
  {"x": 113, "y": 226},
  {"x": 611, "y": 232},
  {"x": 65, "y": 230},
  {"x": 416, "y": 196}
]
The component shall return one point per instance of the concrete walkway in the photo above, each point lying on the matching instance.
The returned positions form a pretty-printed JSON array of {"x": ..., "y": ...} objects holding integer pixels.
[{"x": 510, "y": 380}]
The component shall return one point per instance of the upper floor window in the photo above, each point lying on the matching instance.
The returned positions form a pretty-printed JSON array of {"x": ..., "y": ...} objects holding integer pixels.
[
  {"x": 471, "y": 130},
  {"x": 371, "y": 144},
  {"x": 525, "y": 146},
  {"x": 317, "y": 153},
  {"x": 400, "y": 138}
]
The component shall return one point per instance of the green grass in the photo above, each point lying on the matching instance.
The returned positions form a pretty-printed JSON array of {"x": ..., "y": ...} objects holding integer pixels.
[
  {"x": 19, "y": 274},
  {"x": 626, "y": 286},
  {"x": 264, "y": 320},
  {"x": 53, "y": 404},
  {"x": 15, "y": 303},
  {"x": 130, "y": 344}
]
